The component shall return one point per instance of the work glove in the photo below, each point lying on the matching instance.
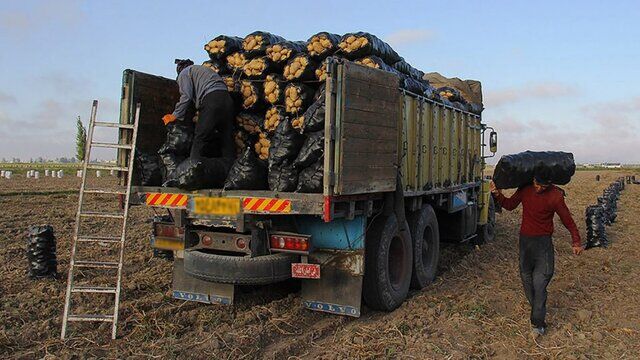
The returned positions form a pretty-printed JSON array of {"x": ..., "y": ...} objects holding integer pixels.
[{"x": 169, "y": 118}]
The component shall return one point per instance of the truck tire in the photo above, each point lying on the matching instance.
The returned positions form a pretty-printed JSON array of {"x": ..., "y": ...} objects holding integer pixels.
[
  {"x": 426, "y": 246},
  {"x": 387, "y": 275},
  {"x": 239, "y": 270},
  {"x": 487, "y": 232}
]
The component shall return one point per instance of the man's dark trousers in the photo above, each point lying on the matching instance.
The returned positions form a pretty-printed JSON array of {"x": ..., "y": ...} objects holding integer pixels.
[
  {"x": 536, "y": 270},
  {"x": 213, "y": 136}
]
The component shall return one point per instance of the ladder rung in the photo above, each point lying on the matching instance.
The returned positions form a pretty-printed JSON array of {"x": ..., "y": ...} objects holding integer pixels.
[
  {"x": 96, "y": 264},
  {"x": 112, "y": 124},
  {"x": 90, "y": 317},
  {"x": 106, "y": 167},
  {"x": 102, "y": 215},
  {"x": 109, "y": 145},
  {"x": 89, "y": 238},
  {"x": 94, "y": 289},
  {"x": 105, "y": 191}
]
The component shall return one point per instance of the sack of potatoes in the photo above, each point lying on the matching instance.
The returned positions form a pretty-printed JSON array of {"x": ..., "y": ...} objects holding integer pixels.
[
  {"x": 273, "y": 117},
  {"x": 297, "y": 97},
  {"x": 361, "y": 44},
  {"x": 321, "y": 72},
  {"x": 221, "y": 46},
  {"x": 256, "y": 43},
  {"x": 285, "y": 145},
  {"x": 250, "y": 122},
  {"x": 283, "y": 51},
  {"x": 274, "y": 85},
  {"x": 218, "y": 66},
  {"x": 375, "y": 62},
  {"x": 241, "y": 139},
  {"x": 258, "y": 68},
  {"x": 300, "y": 68},
  {"x": 262, "y": 146},
  {"x": 313, "y": 117},
  {"x": 236, "y": 61},
  {"x": 405, "y": 68},
  {"x": 251, "y": 95},
  {"x": 322, "y": 44},
  {"x": 232, "y": 82}
]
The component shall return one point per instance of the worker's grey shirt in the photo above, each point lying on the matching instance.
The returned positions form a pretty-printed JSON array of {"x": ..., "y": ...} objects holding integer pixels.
[{"x": 195, "y": 83}]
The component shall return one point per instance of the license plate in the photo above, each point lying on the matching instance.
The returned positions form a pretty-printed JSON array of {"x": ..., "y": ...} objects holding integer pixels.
[
  {"x": 305, "y": 271},
  {"x": 216, "y": 206},
  {"x": 167, "y": 243}
]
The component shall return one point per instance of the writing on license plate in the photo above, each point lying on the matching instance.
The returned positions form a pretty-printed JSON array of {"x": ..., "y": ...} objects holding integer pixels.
[
  {"x": 305, "y": 271},
  {"x": 216, "y": 206}
]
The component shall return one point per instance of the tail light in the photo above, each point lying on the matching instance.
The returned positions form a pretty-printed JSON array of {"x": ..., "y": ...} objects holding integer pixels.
[
  {"x": 290, "y": 243},
  {"x": 168, "y": 231}
]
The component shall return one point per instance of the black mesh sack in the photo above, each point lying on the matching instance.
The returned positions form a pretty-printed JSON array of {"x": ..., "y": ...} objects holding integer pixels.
[
  {"x": 516, "y": 170},
  {"x": 312, "y": 150},
  {"x": 595, "y": 220},
  {"x": 221, "y": 46},
  {"x": 300, "y": 68},
  {"x": 247, "y": 173},
  {"x": 283, "y": 177},
  {"x": 41, "y": 252},
  {"x": 285, "y": 145},
  {"x": 311, "y": 178},
  {"x": 170, "y": 162},
  {"x": 273, "y": 91},
  {"x": 179, "y": 138},
  {"x": 375, "y": 62},
  {"x": 151, "y": 170},
  {"x": 256, "y": 43},
  {"x": 322, "y": 44},
  {"x": 218, "y": 65},
  {"x": 258, "y": 68},
  {"x": 406, "y": 68},
  {"x": 298, "y": 97},
  {"x": 451, "y": 94},
  {"x": 283, "y": 51},
  {"x": 313, "y": 118},
  {"x": 204, "y": 173},
  {"x": 361, "y": 44},
  {"x": 420, "y": 87}
]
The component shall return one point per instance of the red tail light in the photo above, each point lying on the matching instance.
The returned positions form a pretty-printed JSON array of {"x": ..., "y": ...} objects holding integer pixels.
[
  {"x": 167, "y": 230},
  {"x": 290, "y": 242}
]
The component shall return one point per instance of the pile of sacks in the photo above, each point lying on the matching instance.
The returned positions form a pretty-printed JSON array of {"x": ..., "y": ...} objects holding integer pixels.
[
  {"x": 278, "y": 88},
  {"x": 603, "y": 214}
]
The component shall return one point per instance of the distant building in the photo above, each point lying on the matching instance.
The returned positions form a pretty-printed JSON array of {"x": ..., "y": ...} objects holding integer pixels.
[{"x": 611, "y": 165}]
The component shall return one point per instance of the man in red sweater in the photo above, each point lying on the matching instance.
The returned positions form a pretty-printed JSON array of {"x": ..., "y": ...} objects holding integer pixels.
[{"x": 540, "y": 202}]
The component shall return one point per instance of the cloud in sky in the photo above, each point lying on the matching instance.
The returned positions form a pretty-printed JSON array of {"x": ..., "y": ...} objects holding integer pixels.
[
  {"x": 538, "y": 91},
  {"x": 409, "y": 36},
  {"x": 6, "y": 98},
  {"x": 22, "y": 22}
]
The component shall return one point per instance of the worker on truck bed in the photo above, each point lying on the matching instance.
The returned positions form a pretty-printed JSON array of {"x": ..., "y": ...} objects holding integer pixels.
[
  {"x": 202, "y": 89},
  {"x": 540, "y": 202}
]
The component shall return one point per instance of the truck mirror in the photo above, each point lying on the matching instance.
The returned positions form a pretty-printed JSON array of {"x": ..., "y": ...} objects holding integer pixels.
[{"x": 493, "y": 142}]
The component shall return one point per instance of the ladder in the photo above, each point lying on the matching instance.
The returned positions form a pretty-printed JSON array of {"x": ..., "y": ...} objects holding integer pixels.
[{"x": 89, "y": 239}]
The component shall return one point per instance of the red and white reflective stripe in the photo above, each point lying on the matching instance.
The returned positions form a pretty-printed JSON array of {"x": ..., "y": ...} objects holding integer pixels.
[
  {"x": 167, "y": 200},
  {"x": 267, "y": 205}
]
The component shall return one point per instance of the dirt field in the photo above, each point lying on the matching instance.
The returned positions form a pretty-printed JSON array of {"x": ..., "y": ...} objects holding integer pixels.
[{"x": 475, "y": 309}]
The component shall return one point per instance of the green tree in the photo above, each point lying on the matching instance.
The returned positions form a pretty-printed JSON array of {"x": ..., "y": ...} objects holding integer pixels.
[{"x": 81, "y": 140}]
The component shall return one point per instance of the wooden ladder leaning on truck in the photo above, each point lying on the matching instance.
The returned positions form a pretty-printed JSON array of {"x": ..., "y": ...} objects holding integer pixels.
[{"x": 401, "y": 173}]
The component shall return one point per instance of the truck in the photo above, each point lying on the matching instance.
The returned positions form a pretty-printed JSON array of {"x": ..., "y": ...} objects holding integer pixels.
[{"x": 402, "y": 173}]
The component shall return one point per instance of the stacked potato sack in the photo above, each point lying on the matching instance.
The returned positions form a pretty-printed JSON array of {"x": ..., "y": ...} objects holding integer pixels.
[
  {"x": 604, "y": 213},
  {"x": 41, "y": 252}
]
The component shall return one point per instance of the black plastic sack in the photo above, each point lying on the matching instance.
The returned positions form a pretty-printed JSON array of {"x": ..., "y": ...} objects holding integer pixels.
[
  {"x": 221, "y": 46},
  {"x": 41, "y": 252},
  {"x": 247, "y": 173},
  {"x": 285, "y": 145},
  {"x": 312, "y": 150},
  {"x": 361, "y": 44},
  {"x": 150, "y": 169},
  {"x": 283, "y": 177},
  {"x": 406, "y": 68},
  {"x": 179, "y": 138},
  {"x": 170, "y": 162},
  {"x": 311, "y": 178},
  {"x": 313, "y": 118},
  {"x": 516, "y": 170},
  {"x": 283, "y": 51},
  {"x": 322, "y": 44},
  {"x": 298, "y": 97},
  {"x": 375, "y": 62},
  {"x": 595, "y": 220},
  {"x": 300, "y": 68},
  {"x": 204, "y": 173},
  {"x": 451, "y": 94},
  {"x": 250, "y": 122},
  {"x": 419, "y": 87},
  {"x": 258, "y": 68},
  {"x": 256, "y": 43}
]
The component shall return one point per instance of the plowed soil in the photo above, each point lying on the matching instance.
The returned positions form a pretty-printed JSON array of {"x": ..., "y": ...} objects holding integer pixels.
[{"x": 474, "y": 309}]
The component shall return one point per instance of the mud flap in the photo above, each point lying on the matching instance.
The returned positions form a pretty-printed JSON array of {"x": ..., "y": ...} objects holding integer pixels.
[
  {"x": 339, "y": 289},
  {"x": 188, "y": 288}
]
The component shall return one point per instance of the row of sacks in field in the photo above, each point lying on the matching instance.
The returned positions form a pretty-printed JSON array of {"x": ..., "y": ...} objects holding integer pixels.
[
  {"x": 279, "y": 153},
  {"x": 252, "y": 67},
  {"x": 603, "y": 213}
]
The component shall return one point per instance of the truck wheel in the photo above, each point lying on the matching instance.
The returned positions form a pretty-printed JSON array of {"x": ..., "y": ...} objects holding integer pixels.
[
  {"x": 487, "y": 232},
  {"x": 387, "y": 275},
  {"x": 238, "y": 270},
  {"x": 426, "y": 246}
]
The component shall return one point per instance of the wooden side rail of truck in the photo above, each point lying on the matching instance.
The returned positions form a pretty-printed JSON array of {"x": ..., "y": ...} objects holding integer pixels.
[{"x": 401, "y": 173}]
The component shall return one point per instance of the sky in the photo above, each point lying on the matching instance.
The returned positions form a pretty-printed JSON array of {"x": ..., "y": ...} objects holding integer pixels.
[{"x": 556, "y": 75}]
